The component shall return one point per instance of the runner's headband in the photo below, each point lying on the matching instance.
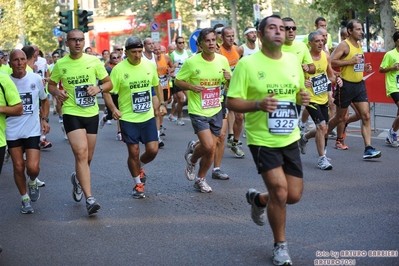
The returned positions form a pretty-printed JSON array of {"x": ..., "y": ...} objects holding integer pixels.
[
  {"x": 249, "y": 30},
  {"x": 135, "y": 45},
  {"x": 219, "y": 30}
]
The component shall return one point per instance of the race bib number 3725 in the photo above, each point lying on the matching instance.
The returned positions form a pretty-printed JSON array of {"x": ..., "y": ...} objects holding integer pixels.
[{"x": 141, "y": 101}]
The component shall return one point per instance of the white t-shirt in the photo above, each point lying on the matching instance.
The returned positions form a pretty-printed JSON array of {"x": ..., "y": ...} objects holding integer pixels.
[
  {"x": 152, "y": 59},
  {"x": 41, "y": 65},
  {"x": 248, "y": 51},
  {"x": 31, "y": 90}
]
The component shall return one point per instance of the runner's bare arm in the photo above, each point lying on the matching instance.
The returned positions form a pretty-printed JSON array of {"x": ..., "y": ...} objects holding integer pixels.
[{"x": 267, "y": 104}]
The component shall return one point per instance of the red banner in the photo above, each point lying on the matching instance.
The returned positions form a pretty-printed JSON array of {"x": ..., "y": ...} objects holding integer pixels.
[{"x": 375, "y": 81}]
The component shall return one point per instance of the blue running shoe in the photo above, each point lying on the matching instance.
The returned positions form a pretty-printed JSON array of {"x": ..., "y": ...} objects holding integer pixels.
[{"x": 371, "y": 153}]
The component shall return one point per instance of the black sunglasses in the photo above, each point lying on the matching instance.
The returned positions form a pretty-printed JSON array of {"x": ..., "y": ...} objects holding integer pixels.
[
  {"x": 76, "y": 39},
  {"x": 119, "y": 49},
  {"x": 287, "y": 28},
  {"x": 116, "y": 57},
  {"x": 180, "y": 42}
]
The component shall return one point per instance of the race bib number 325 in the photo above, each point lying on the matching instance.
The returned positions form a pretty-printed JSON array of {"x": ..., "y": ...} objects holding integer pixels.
[{"x": 284, "y": 119}]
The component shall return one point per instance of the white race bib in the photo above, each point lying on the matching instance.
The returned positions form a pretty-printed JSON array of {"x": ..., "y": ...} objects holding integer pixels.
[
  {"x": 141, "y": 101},
  {"x": 359, "y": 67},
  {"x": 27, "y": 103},
  {"x": 163, "y": 80},
  {"x": 82, "y": 98},
  {"x": 319, "y": 83},
  {"x": 284, "y": 119}
]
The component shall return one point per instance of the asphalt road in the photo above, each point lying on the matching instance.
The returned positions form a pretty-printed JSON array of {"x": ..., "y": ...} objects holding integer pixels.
[{"x": 354, "y": 207}]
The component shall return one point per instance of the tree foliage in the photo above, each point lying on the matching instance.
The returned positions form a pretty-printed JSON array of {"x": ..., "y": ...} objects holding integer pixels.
[
  {"x": 32, "y": 20},
  {"x": 222, "y": 10},
  {"x": 9, "y": 33},
  {"x": 304, "y": 17},
  {"x": 379, "y": 13},
  {"x": 40, "y": 20},
  {"x": 146, "y": 10}
]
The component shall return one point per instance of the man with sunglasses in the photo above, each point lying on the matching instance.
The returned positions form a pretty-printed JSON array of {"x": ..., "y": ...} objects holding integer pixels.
[
  {"x": 4, "y": 67},
  {"x": 78, "y": 72},
  {"x": 301, "y": 51},
  {"x": 179, "y": 56},
  {"x": 119, "y": 50},
  {"x": 114, "y": 59}
]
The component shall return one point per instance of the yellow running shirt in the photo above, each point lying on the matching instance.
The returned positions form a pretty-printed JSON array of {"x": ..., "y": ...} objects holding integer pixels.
[
  {"x": 319, "y": 90},
  {"x": 353, "y": 73},
  {"x": 300, "y": 50},
  {"x": 76, "y": 76},
  {"x": 392, "y": 77},
  {"x": 209, "y": 75},
  {"x": 257, "y": 76},
  {"x": 133, "y": 84},
  {"x": 9, "y": 96}
]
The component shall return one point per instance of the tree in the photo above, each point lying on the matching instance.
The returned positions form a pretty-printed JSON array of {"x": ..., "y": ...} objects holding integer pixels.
[
  {"x": 303, "y": 16},
  {"x": 31, "y": 20},
  {"x": 239, "y": 13},
  {"x": 40, "y": 19},
  {"x": 363, "y": 9},
  {"x": 145, "y": 11},
  {"x": 9, "y": 33}
]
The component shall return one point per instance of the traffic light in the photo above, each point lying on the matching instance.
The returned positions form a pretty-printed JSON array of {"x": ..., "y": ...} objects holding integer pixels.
[
  {"x": 84, "y": 19},
  {"x": 60, "y": 42},
  {"x": 66, "y": 20},
  {"x": 1, "y": 12}
]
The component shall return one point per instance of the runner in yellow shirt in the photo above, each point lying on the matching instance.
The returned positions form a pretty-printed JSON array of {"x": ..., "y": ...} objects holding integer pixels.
[
  {"x": 78, "y": 72},
  {"x": 268, "y": 95},
  {"x": 202, "y": 76},
  {"x": 317, "y": 85},
  {"x": 134, "y": 80},
  {"x": 390, "y": 66}
]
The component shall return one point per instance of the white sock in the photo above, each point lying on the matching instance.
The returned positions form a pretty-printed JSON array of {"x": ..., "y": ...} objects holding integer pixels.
[
  {"x": 137, "y": 179},
  {"x": 26, "y": 196},
  {"x": 32, "y": 182},
  {"x": 199, "y": 178},
  {"x": 216, "y": 168}
]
